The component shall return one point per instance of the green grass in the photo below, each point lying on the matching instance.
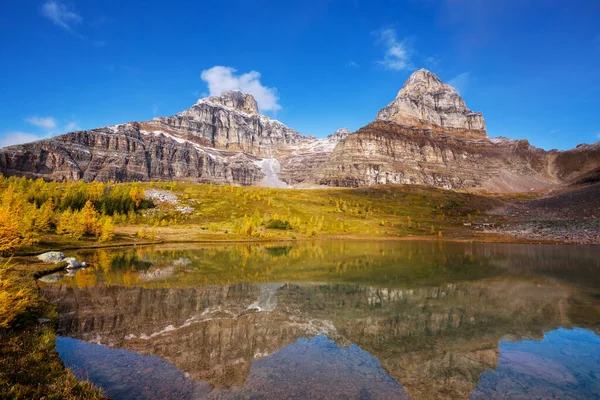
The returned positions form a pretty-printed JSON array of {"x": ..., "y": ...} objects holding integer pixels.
[
  {"x": 234, "y": 213},
  {"x": 391, "y": 211}
]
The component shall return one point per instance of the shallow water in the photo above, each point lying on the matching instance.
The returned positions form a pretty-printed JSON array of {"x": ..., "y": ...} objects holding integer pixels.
[{"x": 368, "y": 320}]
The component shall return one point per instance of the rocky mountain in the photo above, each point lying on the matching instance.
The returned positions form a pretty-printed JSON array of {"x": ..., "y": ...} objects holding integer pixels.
[
  {"x": 426, "y": 135},
  {"x": 302, "y": 162},
  {"x": 230, "y": 121},
  {"x": 219, "y": 139},
  {"x": 426, "y": 102}
]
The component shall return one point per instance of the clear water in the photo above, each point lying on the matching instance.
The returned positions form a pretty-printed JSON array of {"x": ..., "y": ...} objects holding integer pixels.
[{"x": 369, "y": 320}]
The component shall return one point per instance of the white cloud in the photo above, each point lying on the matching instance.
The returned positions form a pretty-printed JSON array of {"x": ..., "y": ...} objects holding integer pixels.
[
  {"x": 12, "y": 138},
  {"x": 352, "y": 64},
  {"x": 72, "y": 127},
  {"x": 460, "y": 82},
  {"x": 221, "y": 79},
  {"x": 60, "y": 15},
  {"x": 43, "y": 122},
  {"x": 397, "y": 53}
]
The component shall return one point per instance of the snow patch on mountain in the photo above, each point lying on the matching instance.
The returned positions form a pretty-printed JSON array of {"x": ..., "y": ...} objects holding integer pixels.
[{"x": 271, "y": 169}]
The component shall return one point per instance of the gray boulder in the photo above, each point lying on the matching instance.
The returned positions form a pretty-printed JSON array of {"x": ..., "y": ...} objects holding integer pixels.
[
  {"x": 51, "y": 257},
  {"x": 73, "y": 263}
]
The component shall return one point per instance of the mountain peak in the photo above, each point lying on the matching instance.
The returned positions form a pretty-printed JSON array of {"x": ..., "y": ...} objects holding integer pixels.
[
  {"x": 238, "y": 100},
  {"x": 424, "y": 79},
  {"x": 425, "y": 101},
  {"x": 340, "y": 134}
]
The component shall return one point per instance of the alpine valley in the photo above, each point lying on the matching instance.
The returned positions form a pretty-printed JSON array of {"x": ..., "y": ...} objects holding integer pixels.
[{"x": 426, "y": 135}]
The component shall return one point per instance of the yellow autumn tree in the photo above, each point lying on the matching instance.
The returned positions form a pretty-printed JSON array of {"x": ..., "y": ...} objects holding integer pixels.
[
  {"x": 17, "y": 218},
  {"x": 44, "y": 216},
  {"x": 136, "y": 194},
  {"x": 107, "y": 230},
  {"x": 9, "y": 230},
  {"x": 68, "y": 224},
  {"x": 88, "y": 218}
]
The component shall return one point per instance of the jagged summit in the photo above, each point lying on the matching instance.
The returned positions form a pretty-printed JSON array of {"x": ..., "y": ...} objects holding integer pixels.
[
  {"x": 426, "y": 101},
  {"x": 340, "y": 134},
  {"x": 423, "y": 78},
  {"x": 235, "y": 99}
]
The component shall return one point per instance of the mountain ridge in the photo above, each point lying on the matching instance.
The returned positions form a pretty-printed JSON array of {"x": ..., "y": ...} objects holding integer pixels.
[{"x": 426, "y": 135}]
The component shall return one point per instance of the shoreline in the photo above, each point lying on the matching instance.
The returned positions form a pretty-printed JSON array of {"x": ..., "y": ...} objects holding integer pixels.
[{"x": 489, "y": 238}]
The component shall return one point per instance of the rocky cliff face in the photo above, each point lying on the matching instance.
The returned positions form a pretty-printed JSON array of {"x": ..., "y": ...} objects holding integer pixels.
[
  {"x": 302, "y": 162},
  {"x": 219, "y": 139},
  {"x": 231, "y": 121},
  {"x": 425, "y": 101},
  {"x": 427, "y": 135},
  {"x": 384, "y": 152},
  {"x": 127, "y": 152}
]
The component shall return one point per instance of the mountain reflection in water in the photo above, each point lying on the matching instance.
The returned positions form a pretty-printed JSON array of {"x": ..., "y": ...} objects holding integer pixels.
[{"x": 414, "y": 320}]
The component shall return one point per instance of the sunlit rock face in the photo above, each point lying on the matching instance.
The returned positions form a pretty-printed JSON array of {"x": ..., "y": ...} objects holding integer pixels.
[
  {"x": 301, "y": 163},
  {"x": 217, "y": 140},
  {"x": 128, "y": 152},
  {"x": 385, "y": 152},
  {"x": 426, "y": 136},
  {"x": 425, "y": 101},
  {"x": 231, "y": 121}
]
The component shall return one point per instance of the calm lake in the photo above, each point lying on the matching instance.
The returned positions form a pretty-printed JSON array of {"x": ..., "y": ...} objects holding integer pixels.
[{"x": 326, "y": 320}]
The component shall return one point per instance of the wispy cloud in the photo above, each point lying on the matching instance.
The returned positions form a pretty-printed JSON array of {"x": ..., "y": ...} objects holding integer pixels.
[
  {"x": 72, "y": 126},
  {"x": 67, "y": 19},
  {"x": 352, "y": 64},
  {"x": 17, "y": 137},
  {"x": 61, "y": 15},
  {"x": 397, "y": 53},
  {"x": 42, "y": 122},
  {"x": 51, "y": 125},
  {"x": 460, "y": 82},
  {"x": 221, "y": 79},
  {"x": 598, "y": 135}
]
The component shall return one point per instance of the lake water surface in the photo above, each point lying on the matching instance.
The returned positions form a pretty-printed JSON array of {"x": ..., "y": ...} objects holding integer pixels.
[{"x": 366, "y": 320}]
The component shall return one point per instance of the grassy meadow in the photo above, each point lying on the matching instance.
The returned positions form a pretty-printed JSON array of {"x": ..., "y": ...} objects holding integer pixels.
[{"x": 37, "y": 215}]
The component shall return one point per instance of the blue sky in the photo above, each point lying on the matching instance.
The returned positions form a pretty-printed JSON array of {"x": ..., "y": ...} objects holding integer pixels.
[{"x": 532, "y": 67}]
